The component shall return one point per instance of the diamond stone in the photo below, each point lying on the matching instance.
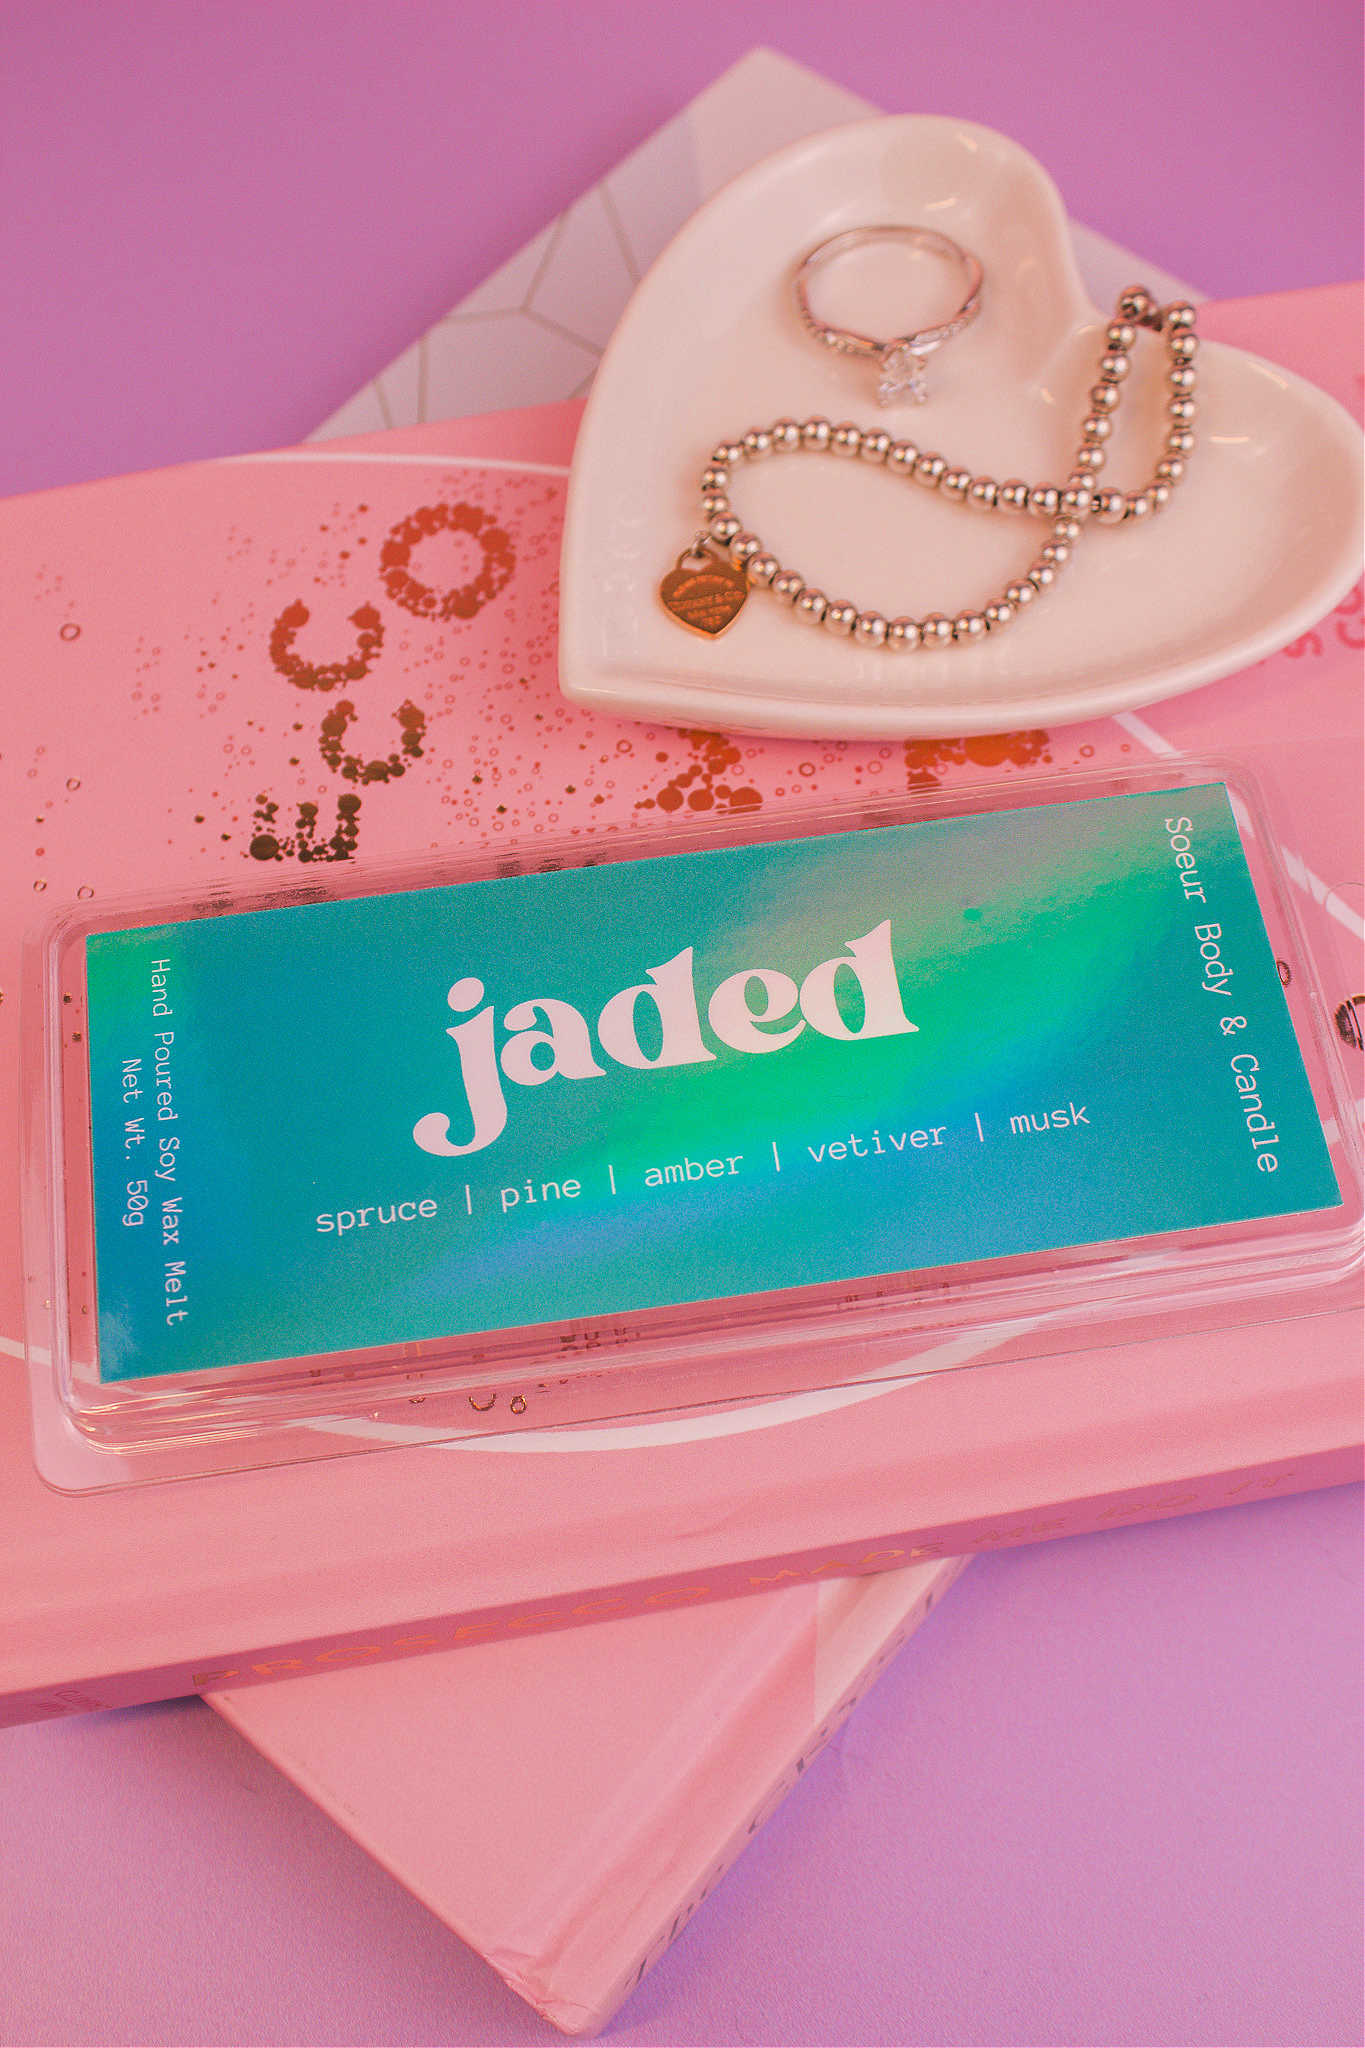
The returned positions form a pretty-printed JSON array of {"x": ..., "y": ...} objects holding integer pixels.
[{"x": 900, "y": 370}]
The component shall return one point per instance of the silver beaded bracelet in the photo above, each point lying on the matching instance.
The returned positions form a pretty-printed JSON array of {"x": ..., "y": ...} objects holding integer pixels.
[{"x": 708, "y": 585}]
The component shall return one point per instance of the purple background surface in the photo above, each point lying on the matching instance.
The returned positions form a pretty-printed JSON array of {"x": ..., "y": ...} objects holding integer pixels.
[{"x": 1111, "y": 1794}]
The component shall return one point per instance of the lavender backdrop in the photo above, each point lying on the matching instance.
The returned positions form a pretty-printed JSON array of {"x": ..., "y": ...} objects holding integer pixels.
[{"x": 1112, "y": 1792}]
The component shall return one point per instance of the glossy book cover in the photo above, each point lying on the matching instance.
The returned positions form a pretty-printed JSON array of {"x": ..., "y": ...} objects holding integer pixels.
[
  {"x": 566, "y": 1096},
  {"x": 927, "y": 1445}
]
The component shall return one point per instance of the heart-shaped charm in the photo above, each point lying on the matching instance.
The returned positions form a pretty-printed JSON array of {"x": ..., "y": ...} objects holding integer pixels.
[
  {"x": 704, "y": 593},
  {"x": 1243, "y": 558}
]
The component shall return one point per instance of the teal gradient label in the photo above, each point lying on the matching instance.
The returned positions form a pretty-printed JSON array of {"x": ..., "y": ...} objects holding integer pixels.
[{"x": 558, "y": 1098}]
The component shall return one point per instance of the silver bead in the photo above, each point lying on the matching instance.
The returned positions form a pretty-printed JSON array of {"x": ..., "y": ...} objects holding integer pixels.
[
  {"x": 787, "y": 585},
  {"x": 969, "y": 626},
  {"x": 758, "y": 441},
  {"x": 846, "y": 438},
  {"x": 998, "y": 614},
  {"x": 956, "y": 483},
  {"x": 876, "y": 446},
  {"x": 723, "y": 527},
  {"x": 983, "y": 492},
  {"x": 902, "y": 635},
  {"x": 744, "y": 547},
  {"x": 1181, "y": 315},
  {"x": 1184, "y": 347},
  {"x": 1114, "y": 366},
  {"x": 1160, "y": 495},
  {"x": 762, "y": 568},
  {"x": 1090, "y": 459},
  {"x": 1180, "y": 440},
  {"x": 1042, "y": 575},
  {"x": 811, "y": 607},
  {"x": 930, "y": 471},
  {"x": 1104, "y": 398},
  {"x": 1044, "y": 501},
  {"x": 1138, "y": 305},
  {"x": 726, "y": 454},
  {"x": 1182, "y": 410},
  {"x": 1057, "y": 554},
  {"x": 1012, "y": 496},
  {"x": 840, "y": 618},
  {"x": 1067, "y": 531},
  {"x": 716, "y": 477},
  {"x": 1170, "y": 470},
  {"x": 786, "y": 434},
  {"x": 902, "y": 457},
  {"x": 1110, "y": 507},
  {"x": 1021, "y": 593},
  {"x": 1096, "y": 427},
  {"x": 1121, "y": 336},
  {"x": 936, "y": 631},
  {"x": 1078, "y": 497},
  {"x": 1138, "y": 505},
  {"x": 870, "y": 629},
  {"x": 1182, "y": 377},
  {"x": 815, "y": 433},
  {"x": 714, "y": 505}
]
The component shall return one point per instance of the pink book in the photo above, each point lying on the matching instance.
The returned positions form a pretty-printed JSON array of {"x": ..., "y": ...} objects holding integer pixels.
[
  {"x": 621, "y": 1769},
  {"x": 182, "y": 719},
  {"x": 571, "y": 1870}
]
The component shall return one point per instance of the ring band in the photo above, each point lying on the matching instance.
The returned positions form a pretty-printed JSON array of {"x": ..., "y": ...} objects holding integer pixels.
[{"x": 900, "y": 361}]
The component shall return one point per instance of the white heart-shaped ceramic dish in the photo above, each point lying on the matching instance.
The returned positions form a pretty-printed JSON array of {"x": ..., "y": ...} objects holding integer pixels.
[{"x": 1262, "y": 537}]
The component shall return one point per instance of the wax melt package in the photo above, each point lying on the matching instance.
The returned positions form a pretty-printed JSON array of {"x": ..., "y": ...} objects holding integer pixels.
[{"x": 507, "y": 1141}]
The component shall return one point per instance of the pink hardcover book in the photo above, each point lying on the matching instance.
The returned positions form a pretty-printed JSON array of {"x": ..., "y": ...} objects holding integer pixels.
[
  {"x": 621, "y": 1769},
  {"x": 249, "y": 672}
]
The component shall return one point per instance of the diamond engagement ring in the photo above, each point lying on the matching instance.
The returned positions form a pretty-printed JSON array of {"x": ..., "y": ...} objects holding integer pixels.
[{"x": 900, "y": 361}]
